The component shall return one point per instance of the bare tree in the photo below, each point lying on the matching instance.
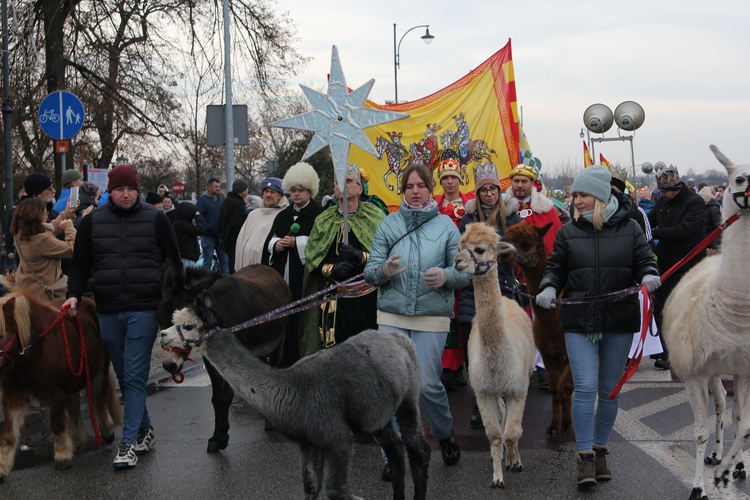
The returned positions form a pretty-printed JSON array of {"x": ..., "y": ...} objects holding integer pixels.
[{"x": 119, "y": 57}]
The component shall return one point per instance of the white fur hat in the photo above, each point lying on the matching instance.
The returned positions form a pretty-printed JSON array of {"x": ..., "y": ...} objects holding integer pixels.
[{"x": 301, "y": 174}]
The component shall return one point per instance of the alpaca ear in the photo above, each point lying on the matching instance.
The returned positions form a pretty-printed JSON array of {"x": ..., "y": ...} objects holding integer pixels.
[
  {"x": 205, "y": 284},
  {"x": 543, "y": 230},
  {"x": 723, "y": 159},
  {"x": 170, "y": 277},
  {"x": 204, "y": 308}
]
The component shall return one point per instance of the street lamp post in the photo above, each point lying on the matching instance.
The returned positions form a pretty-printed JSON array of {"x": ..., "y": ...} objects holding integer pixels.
[{"x": 427, "y": 37}]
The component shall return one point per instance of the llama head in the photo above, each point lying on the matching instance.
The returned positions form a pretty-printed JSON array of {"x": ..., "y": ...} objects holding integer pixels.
[
  {"x": 176, "y": 341},
  {"x": 180, "y": 289},
  {"x": 529, "y": 243},
  {"x": 479, "y": 249},
  {"x": 737, "y": 193}
]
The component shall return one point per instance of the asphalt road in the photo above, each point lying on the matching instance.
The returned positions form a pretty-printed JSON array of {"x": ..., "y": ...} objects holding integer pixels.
[{"x": 651, "y": 454}]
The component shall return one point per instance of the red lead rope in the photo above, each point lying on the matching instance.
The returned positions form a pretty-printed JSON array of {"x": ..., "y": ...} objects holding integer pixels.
[
  {"x": 82, "y": 363},
  {"x": 632, "y": 366}
]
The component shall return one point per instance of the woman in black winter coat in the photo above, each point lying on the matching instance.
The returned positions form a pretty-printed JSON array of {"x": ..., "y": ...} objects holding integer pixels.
[
  {"x": 188, "y": 225},
  {"x": 602, "y": 250}
]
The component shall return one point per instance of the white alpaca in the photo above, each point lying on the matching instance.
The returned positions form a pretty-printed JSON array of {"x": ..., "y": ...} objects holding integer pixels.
[
  {"x": 706, "y": 327},
  {"x": 501, "y": 348}
]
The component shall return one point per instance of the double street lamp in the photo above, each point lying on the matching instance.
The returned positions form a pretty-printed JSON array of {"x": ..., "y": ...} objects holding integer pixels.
[
  {"x": 598, "y": 118},
  {"x": 427, "y": 37}
]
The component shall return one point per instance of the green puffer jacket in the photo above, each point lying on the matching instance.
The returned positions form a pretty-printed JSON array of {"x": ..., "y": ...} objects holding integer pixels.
[{"x": 433, "y": 244}]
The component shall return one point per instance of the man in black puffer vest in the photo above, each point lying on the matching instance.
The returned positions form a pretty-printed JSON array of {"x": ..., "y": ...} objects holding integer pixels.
[{"x": 119, "y": 253}]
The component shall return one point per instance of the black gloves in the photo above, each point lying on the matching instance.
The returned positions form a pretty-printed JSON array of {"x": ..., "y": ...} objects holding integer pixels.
[
  {"x": 351, "y": 254},
  {"x": 343, "y": 270}
]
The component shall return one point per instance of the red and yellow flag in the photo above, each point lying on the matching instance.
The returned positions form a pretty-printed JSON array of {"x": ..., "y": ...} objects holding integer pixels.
[
  {"x": 603, "y": 161},
  {"x": 587, "y": 161},
  {"x": 474, "y": 120}
]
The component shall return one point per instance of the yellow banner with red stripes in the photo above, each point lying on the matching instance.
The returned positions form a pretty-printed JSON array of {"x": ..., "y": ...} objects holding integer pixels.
[{"x": 474, "y": 120}]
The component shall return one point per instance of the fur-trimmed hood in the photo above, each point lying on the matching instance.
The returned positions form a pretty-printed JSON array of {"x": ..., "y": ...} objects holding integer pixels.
[{"x": 539, "y": 202}]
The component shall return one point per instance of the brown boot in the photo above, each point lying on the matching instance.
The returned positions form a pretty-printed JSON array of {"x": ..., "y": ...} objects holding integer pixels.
[
  {"x": 586, "y": 469},
  {"x": 602, "y": 471}
]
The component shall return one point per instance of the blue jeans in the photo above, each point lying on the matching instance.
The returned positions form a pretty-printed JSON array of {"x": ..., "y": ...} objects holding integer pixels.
[
  {"x": 432, "y": 396},
  {"x": 129, "y": 338},
  {"x": 209, "y": 244},
  {"x": 596, "y": 367}
]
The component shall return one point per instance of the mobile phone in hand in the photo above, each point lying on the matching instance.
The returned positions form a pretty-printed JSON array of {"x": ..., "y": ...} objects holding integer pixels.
[{"x": 73, "y": 200}]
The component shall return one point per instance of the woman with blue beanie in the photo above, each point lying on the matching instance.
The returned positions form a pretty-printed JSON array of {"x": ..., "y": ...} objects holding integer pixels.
[{"x": 601, "y": 250}]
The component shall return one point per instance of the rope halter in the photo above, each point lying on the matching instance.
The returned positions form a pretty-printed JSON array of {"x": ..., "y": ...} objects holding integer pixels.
[
  {"x": 525, "y": 259},
  {"x": 741, "y": 199},
  {"x": 480, "y": 268}
]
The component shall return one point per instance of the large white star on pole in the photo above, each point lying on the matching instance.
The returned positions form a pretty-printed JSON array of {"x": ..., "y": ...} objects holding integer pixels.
[{"x": 339, "y": 119}]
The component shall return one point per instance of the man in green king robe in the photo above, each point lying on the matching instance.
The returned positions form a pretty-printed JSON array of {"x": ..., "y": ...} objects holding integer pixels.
[{"x": 330, "y": 260}]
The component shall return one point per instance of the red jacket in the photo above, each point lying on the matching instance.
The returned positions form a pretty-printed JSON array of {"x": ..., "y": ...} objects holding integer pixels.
[{"x": 455, "y": 213}]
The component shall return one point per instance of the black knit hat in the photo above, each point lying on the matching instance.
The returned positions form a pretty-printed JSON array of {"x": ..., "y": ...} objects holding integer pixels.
[
  {"x": 153, "y": 198},
  {"x": 36, "y": 183},
  {"x": 239, "y": 186}
]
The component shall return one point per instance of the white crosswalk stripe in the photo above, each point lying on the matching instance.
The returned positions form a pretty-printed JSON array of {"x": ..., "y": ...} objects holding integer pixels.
[{"x": 669, "y": 449}]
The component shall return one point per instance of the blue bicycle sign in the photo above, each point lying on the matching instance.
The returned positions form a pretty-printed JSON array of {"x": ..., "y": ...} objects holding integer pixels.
[
  {"x": 49, "y": 114},
  {"x": 61, "y": 115}
]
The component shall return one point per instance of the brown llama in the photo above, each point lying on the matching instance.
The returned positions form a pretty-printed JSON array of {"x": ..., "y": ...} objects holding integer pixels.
[
  {"x": 501, "y": 348},
  {"x": 531, "y": 256}
]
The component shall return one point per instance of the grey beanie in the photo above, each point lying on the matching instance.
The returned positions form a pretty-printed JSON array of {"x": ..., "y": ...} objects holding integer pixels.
[
  {"x": 239, "y": 186},
  {"x": 594, "y": 181}
]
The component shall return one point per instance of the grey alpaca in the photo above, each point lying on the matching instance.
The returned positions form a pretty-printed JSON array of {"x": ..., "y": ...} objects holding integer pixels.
[{"x": 324, "y": 399}]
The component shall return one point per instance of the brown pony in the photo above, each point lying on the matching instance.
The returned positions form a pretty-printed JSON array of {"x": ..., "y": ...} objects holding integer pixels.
[
  {"x": 548, "y": 337},
  {"x": 39, "y": 365}
]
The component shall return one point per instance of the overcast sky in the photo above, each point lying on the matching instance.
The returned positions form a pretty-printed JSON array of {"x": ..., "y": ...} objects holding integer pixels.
[{"x": 685, "y": 63}]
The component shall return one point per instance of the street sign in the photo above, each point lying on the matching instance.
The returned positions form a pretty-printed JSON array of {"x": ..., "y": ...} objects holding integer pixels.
[
  {"x": 178, "y": 187},
  {"x": 61, "y": 115},
  {"x": 61, "y": 146}
]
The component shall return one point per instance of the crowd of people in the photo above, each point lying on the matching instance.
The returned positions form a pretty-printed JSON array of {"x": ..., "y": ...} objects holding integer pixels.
[{"x": 600, "y": 239}]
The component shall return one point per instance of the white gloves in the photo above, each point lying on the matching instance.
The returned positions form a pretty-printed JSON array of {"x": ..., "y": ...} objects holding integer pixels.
[
  {"x": 392, "y": 266},
  {"x": 652, "y": 282},
  {"x": 545, "y": 298},
  {"x": 434, "y": 277}
]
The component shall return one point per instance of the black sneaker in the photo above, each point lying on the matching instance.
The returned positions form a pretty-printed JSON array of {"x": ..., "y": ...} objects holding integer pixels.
[
  {"x": 387, "y": 474},
  {"x": 126, "y": 457},
  {"x": 662, "y": 364},
  {"x": 458, "y": 377},
  {"x": 145, "y": 441},
  {"x": 541, "y": 378},
  {"x": 451, "y": 451}
]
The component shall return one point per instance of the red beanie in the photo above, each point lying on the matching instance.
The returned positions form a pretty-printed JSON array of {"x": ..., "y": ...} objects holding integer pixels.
[{"x": 123, "y": 175}]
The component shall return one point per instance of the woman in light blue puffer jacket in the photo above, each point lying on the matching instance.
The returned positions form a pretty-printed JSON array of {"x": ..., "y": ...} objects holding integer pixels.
[{"x": 418, "y": 298}]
